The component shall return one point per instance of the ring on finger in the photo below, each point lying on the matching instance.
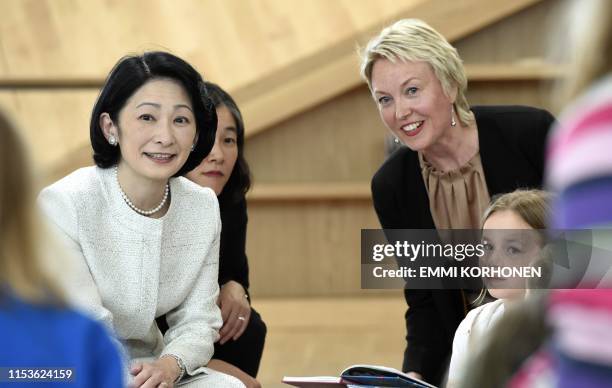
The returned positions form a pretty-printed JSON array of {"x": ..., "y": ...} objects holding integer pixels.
[{"x": 241, "y": 318}]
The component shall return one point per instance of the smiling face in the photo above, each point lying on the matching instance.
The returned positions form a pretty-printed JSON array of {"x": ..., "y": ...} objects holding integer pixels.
[
  {"x": 411, "y": 102},
  {"x": 217, "y": 167},
  {"x": 156, "y": 129},
  {"x": 509, "y": 241}
]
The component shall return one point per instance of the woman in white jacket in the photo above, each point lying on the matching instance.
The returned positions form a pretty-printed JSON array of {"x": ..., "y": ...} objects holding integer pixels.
[{"x": 148, "y": 239}]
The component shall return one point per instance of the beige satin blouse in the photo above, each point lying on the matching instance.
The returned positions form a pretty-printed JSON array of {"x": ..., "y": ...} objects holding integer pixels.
[{"x": 457, "y": 198}]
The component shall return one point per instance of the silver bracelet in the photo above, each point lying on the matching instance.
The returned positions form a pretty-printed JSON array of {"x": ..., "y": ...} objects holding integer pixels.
[{"x": 180, "y": 364}]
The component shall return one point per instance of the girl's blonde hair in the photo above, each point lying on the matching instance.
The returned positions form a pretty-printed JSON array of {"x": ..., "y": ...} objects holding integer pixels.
[
  {"x": 21, "y": 266},
  {"x": 533, "y": 206},
  {"x": 414, "y": 40}
]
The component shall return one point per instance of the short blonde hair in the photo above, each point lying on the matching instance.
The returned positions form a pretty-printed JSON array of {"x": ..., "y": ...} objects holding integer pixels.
[
  {"x": 416, "y": 41},
  {"x": 21, "y": 265}
]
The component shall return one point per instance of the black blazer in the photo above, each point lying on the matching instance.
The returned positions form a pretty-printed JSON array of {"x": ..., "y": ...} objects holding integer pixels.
[
  {"x": 233, "y": 262},
  {"x": 511, "y": 141}
]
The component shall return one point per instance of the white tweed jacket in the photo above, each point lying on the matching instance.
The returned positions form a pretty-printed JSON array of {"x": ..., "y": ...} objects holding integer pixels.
[{"x": 132, "y": 269}]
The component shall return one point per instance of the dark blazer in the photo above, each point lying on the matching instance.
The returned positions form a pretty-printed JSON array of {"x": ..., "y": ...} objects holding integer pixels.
[
  {"x": 246, "y": 351},
  {"x": 232, "y": 250},
  {"x": 512, "y": 141}
]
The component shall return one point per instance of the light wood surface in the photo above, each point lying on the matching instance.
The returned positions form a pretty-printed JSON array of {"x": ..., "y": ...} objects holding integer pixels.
[
  {"x": 54, "y": 123},
  {"x": 341, "y": 141},
  {"x": 310, "y": 192},
  {"x": 322, "y": 336},
  {"x": 307, "y": 248},
  {"x": 528, "y": 34},
  {"x": 232, "y": 41},
  {"x": 534, "y": 70}
]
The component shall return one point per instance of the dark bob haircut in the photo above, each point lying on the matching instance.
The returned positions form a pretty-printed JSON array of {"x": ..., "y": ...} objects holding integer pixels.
[
  {"x": 239, "y": 181},
  {"x": 131, "y": 73}
]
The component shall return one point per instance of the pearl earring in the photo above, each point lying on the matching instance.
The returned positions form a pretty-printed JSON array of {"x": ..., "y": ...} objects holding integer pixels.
[
  {"x": 453, "y": 122},
  {"x": 112, "y": 140}
]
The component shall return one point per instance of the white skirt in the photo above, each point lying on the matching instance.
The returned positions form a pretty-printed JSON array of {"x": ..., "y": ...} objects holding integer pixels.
[
  {"x": 207, "y": 377},
  {"x": 202, "y": 378}
]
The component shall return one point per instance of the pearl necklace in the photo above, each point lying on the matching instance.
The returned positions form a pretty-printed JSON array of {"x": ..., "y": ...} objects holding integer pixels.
[{"x": 138, "y": 210}]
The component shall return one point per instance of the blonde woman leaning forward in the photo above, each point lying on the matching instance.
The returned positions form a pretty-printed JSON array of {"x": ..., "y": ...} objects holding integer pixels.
[
  {"x": 148, "y": 239},
  {"x": 455, "y": 157},
  {"x": 42, "y": 336}
]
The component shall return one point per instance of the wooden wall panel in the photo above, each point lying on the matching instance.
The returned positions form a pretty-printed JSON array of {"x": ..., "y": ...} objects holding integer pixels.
[
  {"x": 533, "y": 93},
  {"x": 307, "y": 249},
  {"x": 341, "y": 140},
  {"x": 54, "y": 123},
  {"x": 523, "y": 37}
]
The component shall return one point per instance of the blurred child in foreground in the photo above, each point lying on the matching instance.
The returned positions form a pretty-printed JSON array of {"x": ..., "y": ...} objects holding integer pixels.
[
  {"x": 563, "y": 339},
  {"x": 41, "y": 333}
]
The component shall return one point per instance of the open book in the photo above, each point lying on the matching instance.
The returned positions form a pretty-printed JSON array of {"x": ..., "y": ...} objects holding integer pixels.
[{"x": 360, "y": 376}]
